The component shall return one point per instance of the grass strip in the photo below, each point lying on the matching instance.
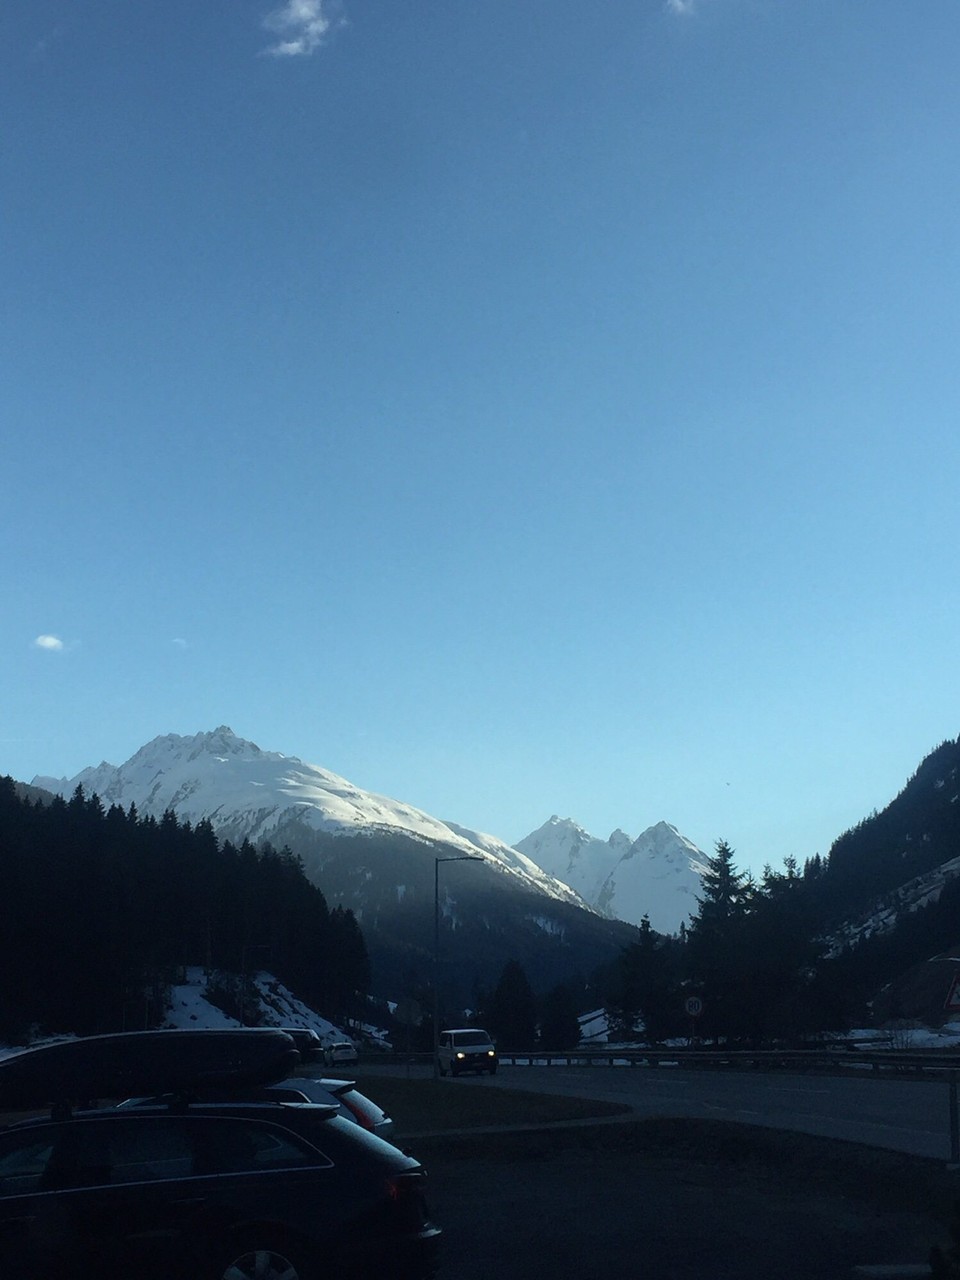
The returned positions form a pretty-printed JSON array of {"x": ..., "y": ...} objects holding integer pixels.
[{"x": 428, "y": 1106}]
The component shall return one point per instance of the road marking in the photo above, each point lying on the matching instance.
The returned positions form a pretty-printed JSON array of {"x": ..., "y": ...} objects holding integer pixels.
[{"x": 796, "y": 1089}]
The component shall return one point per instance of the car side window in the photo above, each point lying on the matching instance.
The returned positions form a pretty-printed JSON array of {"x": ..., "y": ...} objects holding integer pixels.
[
  {"x": 238, "y": 1146},
  {"x": 150, "y": 1150},
  {"x": 23, "y": 1163},
  {"x": 101, "y": 1153}
]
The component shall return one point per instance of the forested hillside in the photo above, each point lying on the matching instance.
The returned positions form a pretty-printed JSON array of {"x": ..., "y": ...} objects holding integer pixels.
[
  {"x": 100, "y": 908},
  {"x": 798, "y": 953},
  {"x": 918, "y": 831}
]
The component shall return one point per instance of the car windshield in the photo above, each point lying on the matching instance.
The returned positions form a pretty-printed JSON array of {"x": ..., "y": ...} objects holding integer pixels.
[{"x": 464, "y": 1039}]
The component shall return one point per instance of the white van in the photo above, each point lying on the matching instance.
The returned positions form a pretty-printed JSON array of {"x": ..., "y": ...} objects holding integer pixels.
[{"x": 466, "y": 1049}]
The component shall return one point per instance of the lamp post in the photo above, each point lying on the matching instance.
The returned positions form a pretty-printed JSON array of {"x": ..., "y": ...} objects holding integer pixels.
[{"x": 436, "y": 953}]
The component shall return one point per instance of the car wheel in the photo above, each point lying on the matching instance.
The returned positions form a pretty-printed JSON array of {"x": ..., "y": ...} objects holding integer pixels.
[
  {"x": 441, "y": 1068},
  {"x": 493, "y": 1071},
  {"x": 264, "y": 1264}
]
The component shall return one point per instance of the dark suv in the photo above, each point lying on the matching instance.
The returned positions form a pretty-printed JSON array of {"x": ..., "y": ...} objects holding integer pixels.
[{"x": 219, "y": 1191}]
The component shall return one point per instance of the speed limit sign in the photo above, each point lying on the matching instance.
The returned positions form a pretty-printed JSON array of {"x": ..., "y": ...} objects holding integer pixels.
[{"x": 693, "y": 1006}]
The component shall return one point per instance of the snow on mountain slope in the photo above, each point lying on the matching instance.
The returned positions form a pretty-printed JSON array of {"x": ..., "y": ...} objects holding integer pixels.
[
  {"x": 892, "y": 907},
  {"x": 249, "y": 792},
  {"x": 657, "y": 875}
]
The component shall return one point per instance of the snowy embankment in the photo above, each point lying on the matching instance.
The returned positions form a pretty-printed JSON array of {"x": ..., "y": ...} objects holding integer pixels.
[
  {"x": 276, "y": 1007},
  {"x": 189, "y": 1007}
]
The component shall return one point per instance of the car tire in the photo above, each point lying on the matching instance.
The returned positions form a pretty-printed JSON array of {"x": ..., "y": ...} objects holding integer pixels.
[
  {"x": 441, "y": 1068},
  {"x": 493, "y": 1071},
  {"x": 265, "y": 1260}
]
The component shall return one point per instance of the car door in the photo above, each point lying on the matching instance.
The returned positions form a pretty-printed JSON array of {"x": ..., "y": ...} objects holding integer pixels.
[
  {"x": 120, "y": 1188},
  {"x": 443, "y": 1051},
  {"x": 23, "y": 1160}
]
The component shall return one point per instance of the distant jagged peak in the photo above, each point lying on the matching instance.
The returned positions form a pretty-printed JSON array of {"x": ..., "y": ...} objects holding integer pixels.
[
  {"x": 657, "y": 874},
  {"x": 660, "y": 837},
  {"x": 564, "y": 824},
  {"x": 219, "y": 741},
  {"x": 564, "y": 829}
]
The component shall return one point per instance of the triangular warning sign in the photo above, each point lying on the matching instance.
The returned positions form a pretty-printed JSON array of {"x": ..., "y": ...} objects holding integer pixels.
[{"x": 952, "y": 1002}]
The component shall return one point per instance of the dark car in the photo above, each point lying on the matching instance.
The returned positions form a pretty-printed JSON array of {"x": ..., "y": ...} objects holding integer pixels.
[
  {"x": 226, "y": 1191},
  {"x": 342, "y": 1094},
  {"x": 191, "y": 1190},
  {"x": 308, "y": 1043}
]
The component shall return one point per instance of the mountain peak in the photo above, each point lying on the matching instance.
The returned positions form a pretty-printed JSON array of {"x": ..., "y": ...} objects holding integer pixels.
[
  {"x": 220, "y": 739},
  {"x": 657, "y": 874},
  {"x": 249, "y": 794}
]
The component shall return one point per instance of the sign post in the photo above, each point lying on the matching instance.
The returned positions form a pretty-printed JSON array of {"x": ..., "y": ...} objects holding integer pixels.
[
  {"x": 694, "y": 1008},
  {"x": 408, "y": 1013}
]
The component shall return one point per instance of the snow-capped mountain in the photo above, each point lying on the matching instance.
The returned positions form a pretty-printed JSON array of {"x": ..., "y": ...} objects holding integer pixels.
[
  {"x": 249, "y": 794},
  {"x": 657, "y": 874},
  {"x": 377, "y": 857}
]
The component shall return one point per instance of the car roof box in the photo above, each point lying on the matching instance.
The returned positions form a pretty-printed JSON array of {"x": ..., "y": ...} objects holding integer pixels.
[{"x": 144, "y": 1062}]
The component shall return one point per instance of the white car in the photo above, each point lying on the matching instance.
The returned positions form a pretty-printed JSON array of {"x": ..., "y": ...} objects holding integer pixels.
[
  {"x": 341, "y": 1053},
  {"x": 344, "y": 1094}
]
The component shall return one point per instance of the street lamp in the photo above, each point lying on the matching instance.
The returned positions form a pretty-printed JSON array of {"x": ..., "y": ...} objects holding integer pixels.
[{"x": 436, "y": 953}]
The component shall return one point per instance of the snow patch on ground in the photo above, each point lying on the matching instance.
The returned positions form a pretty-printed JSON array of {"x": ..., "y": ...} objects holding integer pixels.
[
  {"x": 276, "y": 1007},
  {"x": 190, "y": 1009}
]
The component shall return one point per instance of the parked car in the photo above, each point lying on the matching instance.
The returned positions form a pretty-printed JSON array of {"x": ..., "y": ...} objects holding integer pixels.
[
  {"x": 308, "y": 1043},
  {"x": 188, "y": 1190},
  {"x": 341, "y": 1053},
  {"x": 341, "y": 1094},
  {"x": 344, "y": 1094},
  {"x": 466, "y": 1049}
]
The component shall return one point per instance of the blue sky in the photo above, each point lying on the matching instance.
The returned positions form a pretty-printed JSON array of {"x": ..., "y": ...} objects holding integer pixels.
[{"x": 517, "y": 408}]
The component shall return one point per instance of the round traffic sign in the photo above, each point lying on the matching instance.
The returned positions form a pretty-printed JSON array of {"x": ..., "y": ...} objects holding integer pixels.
[{"x": 693, "y": 1006}]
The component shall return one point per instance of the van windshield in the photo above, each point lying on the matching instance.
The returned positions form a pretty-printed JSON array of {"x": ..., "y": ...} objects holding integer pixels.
[{"x": 471, "y": 1037}]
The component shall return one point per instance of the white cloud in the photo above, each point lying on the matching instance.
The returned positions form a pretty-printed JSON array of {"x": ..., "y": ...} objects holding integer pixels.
[
  {"x": 301, "y": 26},
  {"x": 680, "y": 6},
  {"x": 179, "y": 643},
  {"x": 51, "y": 643}
]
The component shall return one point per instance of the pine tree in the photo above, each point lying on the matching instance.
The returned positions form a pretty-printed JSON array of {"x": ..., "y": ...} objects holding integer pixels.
[
  {"x": 511, "y": 1014},
  {"x": 716, "y": 952},
  {"x": 559, "y": 1024},
  {"x": 642, "y": 988}
]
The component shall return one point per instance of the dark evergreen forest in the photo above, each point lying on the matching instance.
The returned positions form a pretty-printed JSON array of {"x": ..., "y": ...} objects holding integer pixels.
[
  {"x": 780, "y": 959},
  {"x": 101, "y": 909}
]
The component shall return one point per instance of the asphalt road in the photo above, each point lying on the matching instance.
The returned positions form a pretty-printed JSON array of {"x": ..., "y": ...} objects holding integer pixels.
[
  {"x": 582, "y": 1215},
  {"x": 513, "y": 1209},
  {"x": 898, "y": 1115}
]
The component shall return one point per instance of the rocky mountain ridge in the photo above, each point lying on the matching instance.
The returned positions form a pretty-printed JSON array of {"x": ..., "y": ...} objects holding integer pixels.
[
  {"x": 379, "y": 858},
  {"x": 657, "y": 874}
]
